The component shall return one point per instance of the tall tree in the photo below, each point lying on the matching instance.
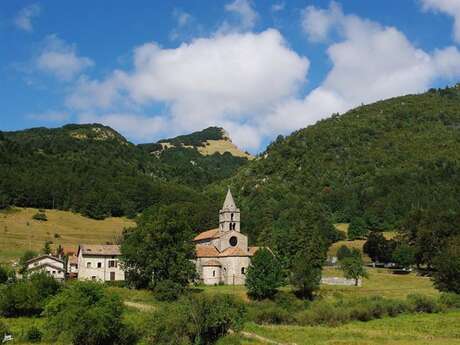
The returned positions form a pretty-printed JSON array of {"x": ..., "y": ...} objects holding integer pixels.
[
  {"x": 158, "y": 252},
  {"x": 447, "y": 267},
  {"x": 353, "y": 266}
]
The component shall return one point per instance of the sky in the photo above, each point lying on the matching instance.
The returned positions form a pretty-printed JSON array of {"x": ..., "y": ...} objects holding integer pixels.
[{"x": 258, "y": 68}]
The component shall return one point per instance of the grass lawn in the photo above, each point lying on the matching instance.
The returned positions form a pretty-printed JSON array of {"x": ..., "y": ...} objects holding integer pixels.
[
  {"x": 19, "y": 232},
  {"x": 420, "y": 329}
]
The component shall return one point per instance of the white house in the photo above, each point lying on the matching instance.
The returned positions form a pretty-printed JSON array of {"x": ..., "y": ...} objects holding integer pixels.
[
  {"x": 49, "y": 264},
  {"x": 223, "y": 254},
  {"x": 99, "y": 262}
]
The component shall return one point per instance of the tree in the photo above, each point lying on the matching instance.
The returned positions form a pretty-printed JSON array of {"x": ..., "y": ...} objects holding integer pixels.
[
  {"x": 264, "y": 275},
  {"x": 404, "y": 255},
  {"x": 46, "y": 247},
  {"x": 87, "y": 314},
  {"x": 446, "y": 274},
  {"x": 7, "y": 274},
  {"x": 378, "y": 248},
  {"x": 353, "y": 266},
  {"x": 357, "y": 229},
  {"x": 29, "y": 254},
  {"x": 159, "y": 250},
  {"x": 343, "y": 252}
]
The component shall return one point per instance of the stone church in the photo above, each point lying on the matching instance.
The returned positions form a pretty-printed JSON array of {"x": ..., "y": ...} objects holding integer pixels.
[{"x": 222, "y": 254}]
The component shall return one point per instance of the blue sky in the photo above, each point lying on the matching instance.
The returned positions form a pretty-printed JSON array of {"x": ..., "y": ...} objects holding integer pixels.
[{"x": 154, "y": 69}]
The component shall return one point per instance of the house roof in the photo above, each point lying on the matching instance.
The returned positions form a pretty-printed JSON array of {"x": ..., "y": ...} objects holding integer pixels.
[
  {"x": 209, "y": 234},
  {"x": 253, "y": 250},
  {"x": 46, "y": 264},
  {"x": 204, "y": 251},
  {"x": 234, "y": 251},
  {"x": 212, "y": 263},
  {"x": 69, "y": 250},
  {"x": 99, "y": 249},
  {"x": 73, "y": 260},
  {"x": 42, "y": 257}
]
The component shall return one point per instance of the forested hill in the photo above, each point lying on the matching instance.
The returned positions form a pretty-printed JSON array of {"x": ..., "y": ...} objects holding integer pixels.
[
  {"x": 199, "y": 158},
  {"x": 375, "y": 164},
  {"x": 94, "y": 170}
]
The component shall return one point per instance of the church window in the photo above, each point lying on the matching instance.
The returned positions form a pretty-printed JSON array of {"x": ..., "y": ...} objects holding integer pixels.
[
  {"x": 243, "y": 270},
  {"x": 233, "y": 241},
  {"x": 231, "y": 217},
  {"x": 213, "y": 273}
]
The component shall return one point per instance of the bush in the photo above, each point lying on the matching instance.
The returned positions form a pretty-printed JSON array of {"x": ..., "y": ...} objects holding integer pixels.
[
  {"x": 3, "y": 330},
  {"x": 197, "y": 320},
  {"x": 423, "y": 304},
  {"x": 33, "y": 335},
  {"x": 168, "y": 290},
  {"x": 87, "y": 314},
  {"x": 41, "y": 217},
  {"x": 7, "y": 274},
  {"x": 450, "y": 300},
  {"x": 270, "y": 313}
]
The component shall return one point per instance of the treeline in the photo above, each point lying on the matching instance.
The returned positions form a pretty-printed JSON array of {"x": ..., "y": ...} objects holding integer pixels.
[{"x": 93, "y": 170}]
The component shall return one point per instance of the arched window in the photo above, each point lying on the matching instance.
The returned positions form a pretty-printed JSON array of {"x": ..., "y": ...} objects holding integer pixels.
[
  {"x": 231, "y": 216},
  {"x": 213, "y": 273},
  {"x": 243, "y": 270}
]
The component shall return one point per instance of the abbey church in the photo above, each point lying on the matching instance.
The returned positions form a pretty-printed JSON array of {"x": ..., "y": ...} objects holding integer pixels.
[{"x": 222, "y": 254}]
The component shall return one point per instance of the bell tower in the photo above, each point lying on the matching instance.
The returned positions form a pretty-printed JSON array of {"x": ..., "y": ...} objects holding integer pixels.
[{"x": 229, "y": 215}]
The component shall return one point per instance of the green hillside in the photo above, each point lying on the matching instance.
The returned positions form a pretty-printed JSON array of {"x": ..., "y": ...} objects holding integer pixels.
[
  {"x": 377, "y": 162},
  {"x": 93, "y": 170}
]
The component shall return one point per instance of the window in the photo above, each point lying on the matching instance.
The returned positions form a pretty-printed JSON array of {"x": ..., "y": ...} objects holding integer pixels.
[
  {"x": 231, "y": 216},
  {"x": 233, "y": 241},
  {"x": 88, "y": 265},
  {"x": 54, "y": 272},
  {"x": 93, "y": 278},
  {"x": 112, "y": 263},
  {"x": 99, "y": 264},
  {"x": 213, "y": 273},
  {"x": 243, "y": 270},
  {"x": 112, "y": 276}
]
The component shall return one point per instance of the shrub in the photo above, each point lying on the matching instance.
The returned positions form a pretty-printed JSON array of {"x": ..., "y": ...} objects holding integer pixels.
[
  {"x": 6, "y": 274},
  {"x": 86, "y": 314},
  {"x": 168, "y": 290},
  {"x": 33, "y": 335},
  {"x": 3, "y": 329},
  {"x": 323, "y": 313},
  {"x": 197, "y": 320},
  {"x": 41, "y": 217},
  {"x": 450, "y": 300},
  {"x": 270, "y": 313},
  {"x": 423, "y": 304}
]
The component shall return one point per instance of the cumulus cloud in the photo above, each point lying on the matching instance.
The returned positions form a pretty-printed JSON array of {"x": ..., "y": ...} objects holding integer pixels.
[
  {"x": 450, "y": 7},
  {"x": 24, "y": 18},
  {"x": 233, "y": 78},
  {"x": 246, "y": 17},
  {"x": 60, "y": 59},
  {"x": 317, "y": 23}
]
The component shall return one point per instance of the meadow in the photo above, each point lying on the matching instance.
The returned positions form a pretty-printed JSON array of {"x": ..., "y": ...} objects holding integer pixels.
[{"x": 20, "y": 232}]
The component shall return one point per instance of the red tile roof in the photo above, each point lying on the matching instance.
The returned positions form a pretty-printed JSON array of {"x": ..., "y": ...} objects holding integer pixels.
[
  {"x": 233, "y": 251},
  {"x": 210, "y": 234},
  {"x": 253, "y": 250},
  {"x": 204, "y": 251}
]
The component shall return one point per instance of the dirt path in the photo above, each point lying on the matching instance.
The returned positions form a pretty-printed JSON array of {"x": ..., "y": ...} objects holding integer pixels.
[{"x": 253, "y": 336}]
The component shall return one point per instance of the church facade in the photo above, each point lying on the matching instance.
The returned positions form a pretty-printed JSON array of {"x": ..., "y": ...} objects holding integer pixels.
[{"x": 223, "y": 255}]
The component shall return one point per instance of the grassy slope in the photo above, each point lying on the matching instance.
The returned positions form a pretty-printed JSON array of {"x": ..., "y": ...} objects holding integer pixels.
[{"x": 19, "y": 232}]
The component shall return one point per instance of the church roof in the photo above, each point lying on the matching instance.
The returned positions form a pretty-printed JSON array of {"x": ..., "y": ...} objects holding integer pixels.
[
  {"x": 234, "y": 251},
  {"x": 229, "y": 203},
  {"x": 253, "y": 250},
  {"x": 212, "y": 263},
  {"x": 209, "y": 234},
  {"x": 205, "y": 251}
]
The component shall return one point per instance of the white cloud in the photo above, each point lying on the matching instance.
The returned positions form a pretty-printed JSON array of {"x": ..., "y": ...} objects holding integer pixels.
[
  {"x": 246, "y": 17},
  {"x": 278, "y": 7},
  {"x": 232, "y": 79},
  {"x": 450, "y": 7},
  {"x": 60, "y": 59},
  {"x": 186, "y": 27},
  {"x": 50, "y": 116},
  {"x": 318, "y": 23},
  {"x": 24, "y": 18}
]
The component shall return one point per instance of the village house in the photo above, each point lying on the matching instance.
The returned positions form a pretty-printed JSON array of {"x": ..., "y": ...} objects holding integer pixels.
[
  {"x": 223, "y": 255},
  {"x": 49, "y": 264},
  {"x": 72, "y": 261},
  {"x": 99, "y": 262}
]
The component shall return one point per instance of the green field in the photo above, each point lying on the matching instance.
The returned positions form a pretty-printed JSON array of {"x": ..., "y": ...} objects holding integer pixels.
[{"x": 19, "y": 232}]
